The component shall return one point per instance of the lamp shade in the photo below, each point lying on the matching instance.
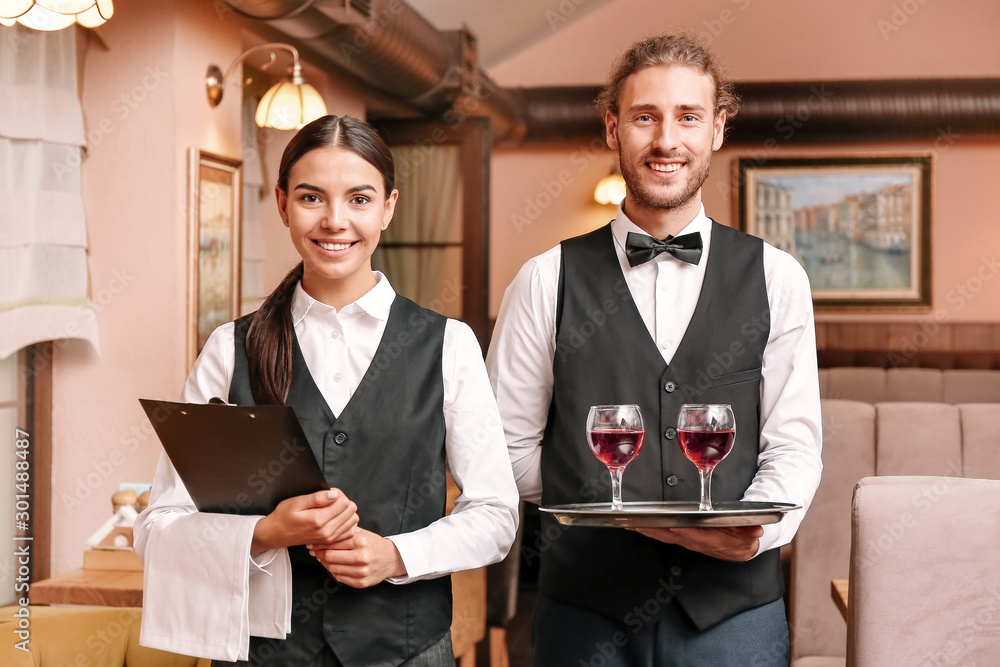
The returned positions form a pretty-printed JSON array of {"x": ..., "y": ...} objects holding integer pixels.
[
  {"x": 289, "y": 106},
  {"x": 610, "y": 189},
  {"x": 55, "y": 14}
]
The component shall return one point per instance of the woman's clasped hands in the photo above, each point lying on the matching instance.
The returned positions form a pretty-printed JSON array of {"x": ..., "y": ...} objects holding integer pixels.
[{"x": 327, "y": 523}]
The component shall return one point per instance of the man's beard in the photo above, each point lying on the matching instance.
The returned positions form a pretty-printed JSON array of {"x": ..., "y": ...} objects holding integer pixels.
[{"x": 648, "y": 198}]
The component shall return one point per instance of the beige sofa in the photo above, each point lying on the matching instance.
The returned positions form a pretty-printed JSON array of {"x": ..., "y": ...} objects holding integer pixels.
[
  {"x": 878, "y": 385},
  {"x": 863, "y": 439}
]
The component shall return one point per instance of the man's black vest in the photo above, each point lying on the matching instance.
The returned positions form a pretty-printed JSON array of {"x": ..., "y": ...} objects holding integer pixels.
[
  {"x": 604, "y": 354},
  {"x": 386, "y": 451}
]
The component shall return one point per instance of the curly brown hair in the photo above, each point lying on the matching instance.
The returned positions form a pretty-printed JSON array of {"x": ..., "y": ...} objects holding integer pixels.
[{"x": 674, "y": 49}]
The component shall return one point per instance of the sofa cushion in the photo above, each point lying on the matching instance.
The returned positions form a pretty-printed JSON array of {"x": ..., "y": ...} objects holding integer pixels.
[
  {"x": 821, "y": 548},
  {"x": 914, "y": 384},
  {"x": 918, "y": 439},
  {"x": 857, "y": 384},
  {"x": 965, "y": 386},
  {"x": 980, "y": 440},
  {"x": 824, "y": 382}
]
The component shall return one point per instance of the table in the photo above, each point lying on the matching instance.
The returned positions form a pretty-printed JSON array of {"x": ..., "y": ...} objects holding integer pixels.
[
  {"x": 105, "y": 588},
  {"x": 839, "y": 589}
]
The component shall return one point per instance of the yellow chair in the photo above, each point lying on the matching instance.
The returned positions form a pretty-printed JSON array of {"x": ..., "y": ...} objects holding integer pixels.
[{"x": 72, "y": 636}]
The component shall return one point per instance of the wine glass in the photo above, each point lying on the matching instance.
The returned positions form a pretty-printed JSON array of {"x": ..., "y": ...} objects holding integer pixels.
[
  {"x": 615, "y": 434},
  {"x": 706, "y": 434}
]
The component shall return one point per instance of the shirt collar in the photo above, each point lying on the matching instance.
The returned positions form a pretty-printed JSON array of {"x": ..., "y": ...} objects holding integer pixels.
[
  {"x": 621, "y": 226},
  {"x": 376, "y": 302}
]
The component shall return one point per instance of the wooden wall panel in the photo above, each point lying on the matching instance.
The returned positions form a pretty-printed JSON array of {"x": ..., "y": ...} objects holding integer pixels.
[
  {"x": 927, "y": 336},
  {"x": 978, "y": 337}
]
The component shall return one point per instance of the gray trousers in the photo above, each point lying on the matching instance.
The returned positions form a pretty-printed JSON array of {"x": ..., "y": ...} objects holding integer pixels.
[{"x": 564, "y": 635}]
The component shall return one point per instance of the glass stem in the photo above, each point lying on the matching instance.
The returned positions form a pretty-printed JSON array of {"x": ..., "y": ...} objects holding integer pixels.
[
  {"x": 706, "y": 489},
  {"x": 616, "y": 488}
]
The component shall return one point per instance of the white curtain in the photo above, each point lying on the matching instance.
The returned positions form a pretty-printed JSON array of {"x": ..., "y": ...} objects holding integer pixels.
[
  {"x": 43, "y": 235},
  {"x": 430, "y": 196},
  {"x": 252, "y": 291}
]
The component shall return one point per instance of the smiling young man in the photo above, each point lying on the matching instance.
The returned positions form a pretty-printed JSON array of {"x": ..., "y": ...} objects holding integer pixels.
[{"x": 660, "y": 308}]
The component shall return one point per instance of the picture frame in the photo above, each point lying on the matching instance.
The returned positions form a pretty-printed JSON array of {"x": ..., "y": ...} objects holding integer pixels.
[
  {"x": 215, "y": 194},
  {"x": 859, "y": 225}
]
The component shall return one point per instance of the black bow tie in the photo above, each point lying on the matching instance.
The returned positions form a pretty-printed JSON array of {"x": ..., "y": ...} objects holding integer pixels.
[{"x": 640, "y": 248}]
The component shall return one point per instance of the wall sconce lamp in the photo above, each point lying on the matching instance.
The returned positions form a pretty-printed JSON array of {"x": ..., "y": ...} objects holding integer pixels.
[
  {"x": 55, "y": 14},
  {"x": 611, "y": 188},
  {"x": 287, "y": 105}
]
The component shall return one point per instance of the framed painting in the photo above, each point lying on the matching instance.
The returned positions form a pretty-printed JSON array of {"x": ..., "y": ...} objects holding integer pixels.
[
  {"x": 859, "y": 225},
  {"x": 214, "y": 196}
]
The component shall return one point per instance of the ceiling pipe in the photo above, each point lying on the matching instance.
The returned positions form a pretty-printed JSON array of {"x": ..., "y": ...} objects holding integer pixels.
[
  {"x": 941, "y": 110},
  {"x": 391, "y": 47},
  {"x": 389, "y": 44},
  {"x": 773, "y": 114}
]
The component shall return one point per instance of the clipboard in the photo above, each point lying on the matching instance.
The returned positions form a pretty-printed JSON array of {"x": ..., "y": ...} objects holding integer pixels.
[{"x": 236, "y": 459}]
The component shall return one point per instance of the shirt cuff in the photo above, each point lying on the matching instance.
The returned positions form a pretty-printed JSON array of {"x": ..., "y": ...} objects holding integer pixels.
[
  {"x": 414, "y": 558},
  {"x": 768, "y": 539},
  {"x": 261, "y": 562}
]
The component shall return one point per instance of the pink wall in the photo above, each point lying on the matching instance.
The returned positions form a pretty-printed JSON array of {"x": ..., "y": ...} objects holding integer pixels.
[
  {"x": 763, "y": 41},
  {"x": 135, "y": 218}
]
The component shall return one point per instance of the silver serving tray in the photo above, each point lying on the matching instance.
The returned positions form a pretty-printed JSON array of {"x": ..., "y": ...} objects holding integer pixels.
[{"x": 676, "y": 514}]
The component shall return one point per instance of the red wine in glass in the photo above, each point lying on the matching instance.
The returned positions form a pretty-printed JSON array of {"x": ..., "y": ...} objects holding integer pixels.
[
  {"x": 615, "y": 434},
  {"x": 617, "y": 447},
  {"x": 706, "y": 448},
  {"x": 706, "y": 433}
]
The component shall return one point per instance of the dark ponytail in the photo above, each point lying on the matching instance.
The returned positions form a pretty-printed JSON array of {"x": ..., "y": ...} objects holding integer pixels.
[
  {"x": 271, "y": 334},
  {"x": 269, "y": 343}
]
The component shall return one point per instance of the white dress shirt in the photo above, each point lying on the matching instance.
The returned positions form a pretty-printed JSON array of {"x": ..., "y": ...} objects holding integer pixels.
[
  {"x": 665, "y": 291},
  {"x": 205, "y": 596}
]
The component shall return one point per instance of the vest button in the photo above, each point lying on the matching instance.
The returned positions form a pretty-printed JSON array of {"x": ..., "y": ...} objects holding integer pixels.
[
  {"x": 670, "y": 433},
  {"x": 670, "y": 386},
  {"x": 340, "y": 438},
  {"x": 672, "y": 480}
]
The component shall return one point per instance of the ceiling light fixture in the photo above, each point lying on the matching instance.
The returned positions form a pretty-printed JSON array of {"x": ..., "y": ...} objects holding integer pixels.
[
  {"x": 55, "y": 14},
  {"x": 287, "y": 105}
]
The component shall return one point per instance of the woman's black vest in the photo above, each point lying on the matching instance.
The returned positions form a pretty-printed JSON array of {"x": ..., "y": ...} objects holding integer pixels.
[{"x": 386, "y": 452}]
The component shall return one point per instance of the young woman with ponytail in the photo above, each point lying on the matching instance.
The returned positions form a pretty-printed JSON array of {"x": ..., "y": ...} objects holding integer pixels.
[{"x": 388, "y": 394}]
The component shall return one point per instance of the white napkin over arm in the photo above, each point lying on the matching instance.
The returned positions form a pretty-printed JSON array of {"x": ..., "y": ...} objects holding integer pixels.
[{"x": 202, "y": 593}]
